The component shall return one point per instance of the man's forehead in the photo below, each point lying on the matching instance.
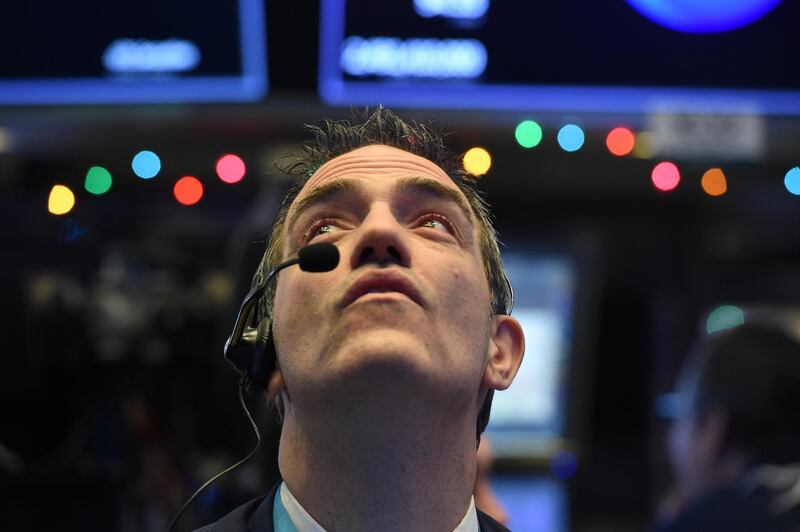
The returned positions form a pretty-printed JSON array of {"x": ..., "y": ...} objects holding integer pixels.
[{"x": 376, "y": 161}]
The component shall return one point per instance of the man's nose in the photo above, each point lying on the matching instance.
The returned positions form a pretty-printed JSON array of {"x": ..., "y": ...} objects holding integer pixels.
[{"x": 381, "y": 239}]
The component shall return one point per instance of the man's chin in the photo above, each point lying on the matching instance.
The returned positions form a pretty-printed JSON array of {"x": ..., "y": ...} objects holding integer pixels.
[
  {"x": 383, "y": 350},
  {"x": 386, "y": 373}
]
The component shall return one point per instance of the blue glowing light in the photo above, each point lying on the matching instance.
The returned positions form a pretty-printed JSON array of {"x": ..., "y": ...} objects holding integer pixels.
[
  {"x": 571, "y": 137},
  {"x": 422, "y": 58},
  {"x": 673, "y": 405},
  {"x": 146, "y": 164},
  {"x": 564, "y": 465},
  {"x": 141, "y": 55},
  {"x": 792, "y": 181},
  {"x": 703, "y": 16},
  {"x": 458, "y": 9}
]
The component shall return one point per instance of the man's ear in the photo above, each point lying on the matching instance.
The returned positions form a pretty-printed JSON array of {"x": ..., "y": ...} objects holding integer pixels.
[
  {"x": 276, "y": 384},
  {"x": 506, "y": 347}
]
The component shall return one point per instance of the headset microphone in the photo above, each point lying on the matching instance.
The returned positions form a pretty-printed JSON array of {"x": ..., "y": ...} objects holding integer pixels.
[
  {"x": 251, "y": 351},
  {"x": 249, "y": 348},
  {"x": 318, "y": 258}
]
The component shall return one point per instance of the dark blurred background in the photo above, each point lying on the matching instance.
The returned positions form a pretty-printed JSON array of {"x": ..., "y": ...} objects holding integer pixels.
[{"x": 116, "y": 401}]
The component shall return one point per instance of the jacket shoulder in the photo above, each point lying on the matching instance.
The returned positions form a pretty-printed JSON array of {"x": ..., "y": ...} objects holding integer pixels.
[
  {"x": 252, "y": 516},
  {"x": 488, "y": 524}
]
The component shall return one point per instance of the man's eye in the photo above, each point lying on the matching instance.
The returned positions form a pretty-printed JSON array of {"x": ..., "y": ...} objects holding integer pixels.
[
  {"x": 326, "y": 228},
  {"x": 321, "y": 229},
  {"x": 437, "y": 223}
]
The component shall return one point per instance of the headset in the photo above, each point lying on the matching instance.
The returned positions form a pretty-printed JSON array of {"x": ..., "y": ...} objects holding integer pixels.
[{"x": 250, "y": 349}]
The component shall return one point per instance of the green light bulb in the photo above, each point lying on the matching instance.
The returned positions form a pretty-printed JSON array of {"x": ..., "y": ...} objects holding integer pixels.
[
  {"x": 98, "y": 180},
  {"x": 528, "y": 134}
]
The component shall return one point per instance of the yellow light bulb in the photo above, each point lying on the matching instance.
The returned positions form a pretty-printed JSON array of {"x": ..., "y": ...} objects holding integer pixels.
[
  {"x": 61, "y": 200},
  {"x": 477, "y": 161}
]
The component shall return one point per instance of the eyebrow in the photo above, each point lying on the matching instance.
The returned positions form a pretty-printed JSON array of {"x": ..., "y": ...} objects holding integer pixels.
[
  {"x": 424, "y": 185},
  {"x": 322, "y": 194},
  {"x": 431, "y": 187}
]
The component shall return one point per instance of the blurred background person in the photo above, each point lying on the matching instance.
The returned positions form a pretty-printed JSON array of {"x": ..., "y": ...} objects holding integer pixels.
[{"x": 735, "y": 441}]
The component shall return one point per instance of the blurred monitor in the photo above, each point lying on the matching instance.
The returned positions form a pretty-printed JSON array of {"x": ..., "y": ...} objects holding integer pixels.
[
  {"x": 132, "y": 52},
  {"x": 529, "y": 419},
  {"x": 581, "y": 55},
  {"x": 534, "y": 503}
]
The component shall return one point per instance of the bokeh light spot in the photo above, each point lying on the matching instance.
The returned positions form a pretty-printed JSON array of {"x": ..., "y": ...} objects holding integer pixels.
[
  {"x": 61, "y": 200},
  {"x": 231, "y": 168},
  {"x": 792, "y": 181},
  {"x": 146, "y": 164},
  {"x": 70, "y": 231},
  {"x": 564, "y": 465},
  {"x": 665, "y": 176},
  {"x": 620, "y": 141},
  {"x": 528, "y": 134},
  {"x": 98, "y": 180},
  {"x": 645, "y": 145},
  {"x": 477, "y": 161},
  {"x": 724, "y": 317},
  {"x": 188, "y": 190},
  {"x": 571, "y": 138},
  {"x": 714, "y": 182}
]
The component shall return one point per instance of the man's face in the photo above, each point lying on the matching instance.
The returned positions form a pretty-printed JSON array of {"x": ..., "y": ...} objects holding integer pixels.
[{"x": 407, "y": 310}]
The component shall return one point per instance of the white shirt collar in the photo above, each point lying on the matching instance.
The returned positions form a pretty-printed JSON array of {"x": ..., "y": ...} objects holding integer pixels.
[
  {"x": 303, "y": 521},
  {"x": 470, "y": 521}
]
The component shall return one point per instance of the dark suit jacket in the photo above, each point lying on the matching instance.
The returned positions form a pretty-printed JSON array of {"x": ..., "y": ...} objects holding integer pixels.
[{"x": 256, "y": 516}]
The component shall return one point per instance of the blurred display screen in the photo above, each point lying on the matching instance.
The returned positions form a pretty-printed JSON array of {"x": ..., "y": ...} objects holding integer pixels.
[
  {"x": 130, "y": 52},
  {"x": 621, "y": 55},
  {"x": 529, "y": 418},
  {"x": 534, "y": 503}
]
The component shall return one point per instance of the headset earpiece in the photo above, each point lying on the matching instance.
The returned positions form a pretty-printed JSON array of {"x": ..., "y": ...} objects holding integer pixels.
[
  {"x": 252, "y": 355},
  {"x": 263, "y": 361}
]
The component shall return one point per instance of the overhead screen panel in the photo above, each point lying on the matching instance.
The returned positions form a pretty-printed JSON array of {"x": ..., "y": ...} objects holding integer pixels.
[
  {"x": 583, "y": 55},
  {"x": 132, "y": 52}
]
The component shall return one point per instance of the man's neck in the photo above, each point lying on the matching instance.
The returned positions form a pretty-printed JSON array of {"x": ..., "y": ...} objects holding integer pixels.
[{"x": 415, "y": 478}]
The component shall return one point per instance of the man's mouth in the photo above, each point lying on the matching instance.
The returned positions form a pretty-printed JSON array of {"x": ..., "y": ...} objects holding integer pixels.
[{"x": 382, "y": 282}]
